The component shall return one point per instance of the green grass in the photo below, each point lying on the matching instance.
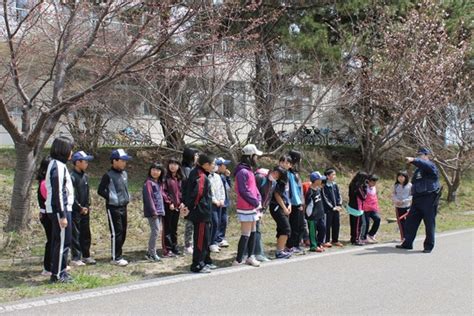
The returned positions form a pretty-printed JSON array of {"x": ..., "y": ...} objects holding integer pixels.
[{"x": 23, "y": 280}]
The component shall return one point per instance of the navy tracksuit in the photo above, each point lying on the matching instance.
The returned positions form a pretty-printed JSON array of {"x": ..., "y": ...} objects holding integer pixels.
[{"x": 424, "y": 206}]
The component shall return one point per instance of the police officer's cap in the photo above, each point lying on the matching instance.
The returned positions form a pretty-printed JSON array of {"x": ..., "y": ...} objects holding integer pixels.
[{"x": 423, "y": 151}]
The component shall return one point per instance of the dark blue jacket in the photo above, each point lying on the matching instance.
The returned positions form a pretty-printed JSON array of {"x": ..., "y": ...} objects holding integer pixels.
[
  {"x": 331, "y": 197},
  {"x": 425, "y": 179}
]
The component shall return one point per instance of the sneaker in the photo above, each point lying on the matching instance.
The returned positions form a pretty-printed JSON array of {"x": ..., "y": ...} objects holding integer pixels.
[
  {"x": 364, "y": 241},
  {"x": 338, "y": 244},
  {"x": 119, "y": 262},
  {"x": 357, "y": 243},
  {"x": 168, "y": 254},
  {"x": 64, "y": 279},
  {"x": 89, "y": 260},
  {"x": 176, "y": 251},
  {"x": 282, "y": 254},
  {"x": 214, "y": 248},
  {"x": 204, "y": 269},
  {"x": 235, "y": 263},
  {"x": 403, "y": 247},
  {"x": 45, "y": 273},
  {"x": 223, "y": 244},
  {"x": 319, "y": 249},
  {"x": 327, "y": 245},
  {"x": 372, "y": 240},
  {"x": 262, "y": 258},
  {"x": 251, "y": 261},
  {"x": 152, "y": 258},
  {"x": 188, "y": 250},
  {"x": 211, "y": 266},
  {"x": 297, "y": 251},
  {"x": 77, "y": 263}
]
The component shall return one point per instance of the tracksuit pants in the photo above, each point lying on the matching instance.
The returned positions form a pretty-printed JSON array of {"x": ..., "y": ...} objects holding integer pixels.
[
  {"x": 117, "y": 216},
  {"x": 170, "y": 230},
  {"x": 81, "y": 236},
  {"x": 223, "y": 219},
  {"x": 297, "y": 226},
  {"x": 401, "y": 221},
  {"x": 60, "y": 243},
  {"x": 48, "y": 229},
  {"x": 357, "y": 227},
  {"x": 201, "y": 253},
  {"x": 422, "y": 208},
  {"x": 317, "y": 232},
  {"x": 333, "y": 224}
]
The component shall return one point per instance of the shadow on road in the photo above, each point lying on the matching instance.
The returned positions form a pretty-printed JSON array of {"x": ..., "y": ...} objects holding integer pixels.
[{"x": 388, "y": 250}]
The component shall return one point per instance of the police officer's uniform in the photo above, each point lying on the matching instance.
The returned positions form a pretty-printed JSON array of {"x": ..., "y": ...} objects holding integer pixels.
[{"x": 425, "y": 190}]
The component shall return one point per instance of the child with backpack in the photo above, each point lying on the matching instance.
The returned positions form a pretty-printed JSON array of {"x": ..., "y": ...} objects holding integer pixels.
[
  {"x": 357, "y": 196},
  {"x": 42, "y": 194},
  {"x": 59, "y": 201},
  {"x": 153, "y": 207},
  {"x": 81, "y": 232},
  {"x": 296, "y": 200},
  {"x": 218, "y": 202},
  {"x": 266, "y": 183},
  {"x": 332, "y": 206},
  {"x": 197, "y": 198},
  {"x": 315, "y": 212}
]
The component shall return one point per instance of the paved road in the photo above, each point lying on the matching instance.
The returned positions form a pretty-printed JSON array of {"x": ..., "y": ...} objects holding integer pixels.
[{"x": 369, "y": 280}]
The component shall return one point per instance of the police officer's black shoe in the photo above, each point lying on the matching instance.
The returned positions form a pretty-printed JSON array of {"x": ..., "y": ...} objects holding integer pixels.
[
  {"x": 403, "y": 247},
  {"x": 426, "y": 251}
]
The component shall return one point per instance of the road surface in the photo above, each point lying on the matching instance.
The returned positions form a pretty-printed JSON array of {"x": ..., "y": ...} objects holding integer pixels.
[{"x": 377, "y": 279}]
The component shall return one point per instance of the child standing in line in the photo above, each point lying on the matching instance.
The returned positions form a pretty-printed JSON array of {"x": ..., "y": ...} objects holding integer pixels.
[
  {"x": 218, "y": 202},
  {"x": 315, "y": 212},
  {"x": 43, "y": 217},
  {"x": 197, "y": 198},
  {"x": 223, "y": 218},
  {"x": 249, "y": 202},
  {"x": 371, "y": 211},
  {"x": 266, "y": 184},
  {"x": 81, "y": 232},
  {"x": 402, "y": 200},
  {"x": 280, "y": 210},
  {"x": 357, "y": 195},
  {"x": 332, "y": 206},
  {"x": 297, "y": 220},
  {"x": 190, "y": 157},
  {"x": 172, "y": 197},
  {"x": 114, "y": 189},
  {"x": 153, "y": 207},
  {"x": 59, "y": 200}
]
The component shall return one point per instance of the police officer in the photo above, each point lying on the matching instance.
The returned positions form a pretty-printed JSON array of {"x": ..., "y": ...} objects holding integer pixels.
[{"x": 425, "y": 191}]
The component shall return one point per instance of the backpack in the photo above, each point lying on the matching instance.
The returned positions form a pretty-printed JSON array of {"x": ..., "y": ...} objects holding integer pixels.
[
  {"x": 261, "y": 175},
  {"x": 306, "y": 186}
]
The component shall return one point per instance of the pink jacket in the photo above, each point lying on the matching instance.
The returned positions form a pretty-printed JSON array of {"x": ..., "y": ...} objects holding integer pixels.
[
  {"x": 248, "y": 196},
  {"x": 371, "y": 202}
]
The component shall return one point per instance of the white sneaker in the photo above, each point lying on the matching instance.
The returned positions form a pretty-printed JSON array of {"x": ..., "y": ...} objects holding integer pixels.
[
  {"x": 251, "y": 261},
  {"x": 77, "y": 263},
  {"x": 89, "y": 260},
  {"x": 45, "y": 273},
  {"x": 235, "y": 263},
  {"x": 262, "y": 258},
  {"x": 120, "y": 262},
  {"x": 188, "y": 250},
  {"x": 214, "y": 248},
  {"x": 223, "y": 244},
  {"x": 372, "y": 239}
]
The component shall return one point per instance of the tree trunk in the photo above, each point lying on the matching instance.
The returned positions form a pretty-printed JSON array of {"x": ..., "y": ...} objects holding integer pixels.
[
  {"x": 454, "y": 186},
  {"x": 24, "y": 174}
]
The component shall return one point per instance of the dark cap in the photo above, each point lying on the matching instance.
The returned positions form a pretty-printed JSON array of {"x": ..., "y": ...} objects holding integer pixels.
[
  {"x": 423, "y": 151},
  {"x": 316, "y": 176},
  {"x": 120, "y": 154},
  {"x": 81, "y": 155}
]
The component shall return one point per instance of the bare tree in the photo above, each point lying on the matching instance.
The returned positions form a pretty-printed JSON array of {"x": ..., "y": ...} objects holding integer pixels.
[
  {"x": 449, "y": 134},
  {"x": 403, "y": 69},
  {"x": 59, "y": 53}
]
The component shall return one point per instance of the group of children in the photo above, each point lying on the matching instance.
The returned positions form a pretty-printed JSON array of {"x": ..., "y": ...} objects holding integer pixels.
[{"x": 197, "y": 189}]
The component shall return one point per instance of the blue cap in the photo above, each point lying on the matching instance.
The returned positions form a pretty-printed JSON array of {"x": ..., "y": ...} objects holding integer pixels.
[
  {"x": 423, "y": 151},
  {"x": 221, "y": 161},
  {"x": 81, "y": 155},
  {"x": 120, "y": 154},
  {"x": 316, "y": 176}
]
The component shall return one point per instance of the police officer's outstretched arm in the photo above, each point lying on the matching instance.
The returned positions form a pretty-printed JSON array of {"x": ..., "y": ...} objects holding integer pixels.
[{"x": 426, "y": 165}]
